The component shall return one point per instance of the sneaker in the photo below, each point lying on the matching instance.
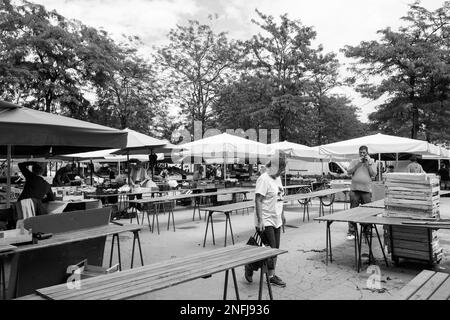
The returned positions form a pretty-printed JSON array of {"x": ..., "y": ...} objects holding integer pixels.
[
  {"x": 248, "y": 274},
  {"x": 275, "y": 280},
  {"x": 350, "y": 236}
]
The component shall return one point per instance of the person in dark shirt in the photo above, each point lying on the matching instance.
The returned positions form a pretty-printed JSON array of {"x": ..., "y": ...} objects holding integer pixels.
[
  {"x": 35, "y": 185},
  {"x": 62, "y": 176},
  {"x": 445, "y": 176}
]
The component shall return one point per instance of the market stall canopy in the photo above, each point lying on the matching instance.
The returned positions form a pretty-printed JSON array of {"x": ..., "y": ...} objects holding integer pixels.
[
  {"x": 37, "y": 133},
  {"x": 103, "y": 156},
  {"x": 225, "y": 146},
  {"x": 302, "y": 152},
  {"x": 138, "y": 143},
  {"x": 380, "y": 143}
]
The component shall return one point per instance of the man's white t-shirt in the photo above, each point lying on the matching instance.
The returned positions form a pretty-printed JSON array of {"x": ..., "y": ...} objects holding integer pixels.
[{"x": 271, "y": 190}]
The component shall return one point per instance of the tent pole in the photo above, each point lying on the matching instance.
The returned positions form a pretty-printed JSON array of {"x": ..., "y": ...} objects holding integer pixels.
[
  {"x": 8, "y": 176},
  {"x": 396, "y": 161},
  {"x": 379, "y": 167},
  {"x": 128, "y": 167},
  {"x": 92, "y": 173}
]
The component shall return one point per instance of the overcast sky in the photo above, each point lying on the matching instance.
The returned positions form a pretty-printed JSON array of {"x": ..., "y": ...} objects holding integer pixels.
[{"x": 337, "y": 22}]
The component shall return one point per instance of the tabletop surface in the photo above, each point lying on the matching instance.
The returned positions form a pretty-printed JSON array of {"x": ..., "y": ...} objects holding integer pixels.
[
  {"x": 190, "y": 195},
  {"x": 134, "y": 282},
  {"x": 231, "y": 206},
  {"x": 373, "y": 214},
  {"x": 320, "y": 193},
  {"x": 77, "y": 235}
]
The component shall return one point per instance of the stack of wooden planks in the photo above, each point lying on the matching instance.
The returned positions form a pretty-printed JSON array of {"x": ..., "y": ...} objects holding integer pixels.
[
  {"x": 412, "y": 195},
  {"x": 415, "y": 243}
]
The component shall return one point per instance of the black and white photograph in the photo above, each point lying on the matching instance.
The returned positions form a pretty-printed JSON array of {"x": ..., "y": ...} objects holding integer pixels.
[{"x": 225, "y": 158}]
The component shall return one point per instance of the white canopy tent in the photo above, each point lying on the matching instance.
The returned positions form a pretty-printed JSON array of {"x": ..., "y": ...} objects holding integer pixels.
[
  {"x": 224, "y": 146},
  {"x": 380, "y": 144}
]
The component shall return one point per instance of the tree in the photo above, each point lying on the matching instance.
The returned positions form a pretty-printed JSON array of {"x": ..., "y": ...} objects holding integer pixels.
[
  {"x": 413, "y": 64},
  {"x": 279, "y": 57},
  {"x": 196, "y": 64}
]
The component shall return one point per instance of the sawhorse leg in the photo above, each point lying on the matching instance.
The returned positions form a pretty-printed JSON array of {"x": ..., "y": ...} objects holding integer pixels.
[
  {"x": 210, "y": 213},
  {"x": 116, "y": 235},
  {"x": 173, "y": 218},
  {"x": 2, "y": 278},
  {"x": 225, "y": 288},
  {"x": 157, "y": 220},
  {"x": 264, "y": 271},
  {"x": 227, "y": 221},
  {"x": 136, "y": 237},
  {"x": 328, "y": 242}
]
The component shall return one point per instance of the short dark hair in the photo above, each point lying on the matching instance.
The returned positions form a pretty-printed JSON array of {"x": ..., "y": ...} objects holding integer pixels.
[
  {"x": 364, "y": 148},
  {"x": 37, "y": 169},
  {"x": 413, "y": 158},
  {"x": 391, "y": 167}
]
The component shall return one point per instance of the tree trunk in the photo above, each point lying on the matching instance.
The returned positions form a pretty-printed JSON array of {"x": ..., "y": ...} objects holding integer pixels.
[{"x": 415, "y": 121}]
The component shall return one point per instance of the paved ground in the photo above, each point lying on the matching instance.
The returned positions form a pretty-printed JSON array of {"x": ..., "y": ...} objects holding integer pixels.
[{"x": 303, "y": 268}]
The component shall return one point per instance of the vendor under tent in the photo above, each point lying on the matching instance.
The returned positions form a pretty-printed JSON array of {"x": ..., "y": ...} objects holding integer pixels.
[
  {"x": 380, "y": 144},
  {"x": 26, "y": 132},
  {"x": 224, "y": 146},
  {"x": 138, "y": 143}
]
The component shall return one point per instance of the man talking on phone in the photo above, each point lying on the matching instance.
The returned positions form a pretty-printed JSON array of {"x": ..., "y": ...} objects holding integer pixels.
[{"x": 362, "y": 170}]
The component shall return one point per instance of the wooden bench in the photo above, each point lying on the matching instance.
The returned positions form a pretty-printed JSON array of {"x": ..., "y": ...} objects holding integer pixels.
[
  {"x": 427, "y": 285},
  {"x": 76, "y": 236},
  {"x": 135, "y": 282}
]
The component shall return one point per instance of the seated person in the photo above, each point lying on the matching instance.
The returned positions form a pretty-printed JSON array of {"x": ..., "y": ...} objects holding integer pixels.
[
  {"x": 35, "y": 185},
  {"x": 62, "y": 176}
]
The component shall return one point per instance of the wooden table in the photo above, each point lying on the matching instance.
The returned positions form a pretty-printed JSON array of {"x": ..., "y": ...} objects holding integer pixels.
[
  {"x": 321, "y": 194},
  {"x": 135, "y": 282},
  {"x": 371, "y": 215},
  {"x": 122, "y": 198},
  {"x": 145, "y": 204},
  {"x": 427, "y": 285},
  {"x": 226, "y": 210},
  {"x": 86, "y": 234}
]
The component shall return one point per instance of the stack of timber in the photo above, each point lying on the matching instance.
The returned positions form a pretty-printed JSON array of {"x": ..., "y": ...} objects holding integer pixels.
[
  {"x": 415, "y": 243},
  {"x": 412, "y": 195}
]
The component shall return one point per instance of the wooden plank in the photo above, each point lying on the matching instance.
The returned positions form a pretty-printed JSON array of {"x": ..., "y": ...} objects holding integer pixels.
[
  {"x": 140, "y": 281},
  {"x": 135, "y": 288},
  {"x": 412, "y": 254},
  {"x": 415, "y": 284},
  {"x": 79, "y": 235},
  {"x": 443, "y": 292},
  {"x": 409, "y": 236},
  {"x": 427, "y": 290},
  {"x": 411, "y": 245},
  {"x": 158, "y": 267},
  {"x": 7, "y": 247},
  {"x": 148, "y": 277}
]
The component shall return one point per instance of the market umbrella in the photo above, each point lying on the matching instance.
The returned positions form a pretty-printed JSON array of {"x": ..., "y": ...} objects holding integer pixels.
[
  {"x": 28, "y": 132},
  {"x": 138, "y": 143}
]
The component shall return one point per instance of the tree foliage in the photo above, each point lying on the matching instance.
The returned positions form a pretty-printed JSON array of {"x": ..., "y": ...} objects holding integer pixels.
[
  {"x": 197, "y": 63},
  {"x": 414, "y": 66}
]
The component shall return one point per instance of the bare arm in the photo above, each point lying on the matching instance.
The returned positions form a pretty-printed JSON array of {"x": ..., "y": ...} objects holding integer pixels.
[
  {"x": 23, "y": 166},
  {"x": 258, "y": 211}
]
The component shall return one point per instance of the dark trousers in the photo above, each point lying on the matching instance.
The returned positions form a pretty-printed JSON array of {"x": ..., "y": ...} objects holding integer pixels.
[
  {"x": 271, "y": 237},
  {"x": 357, "y": 198}
]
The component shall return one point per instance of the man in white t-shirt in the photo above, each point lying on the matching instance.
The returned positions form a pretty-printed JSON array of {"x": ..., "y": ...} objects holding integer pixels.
[{"x": 269, "y": 215}]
